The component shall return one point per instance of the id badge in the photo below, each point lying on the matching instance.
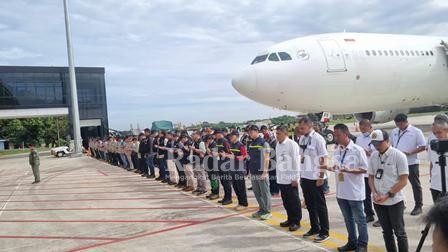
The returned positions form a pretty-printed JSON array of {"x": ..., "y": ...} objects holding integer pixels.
[
  {"x": 302, "y": 160},
  {"x": 379, "y": 174},
  {"x": 341, "y": 177}
]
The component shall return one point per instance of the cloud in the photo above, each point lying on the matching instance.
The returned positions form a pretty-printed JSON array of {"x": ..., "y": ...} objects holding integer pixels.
[
  {"x": 17, "y": 53},
  {"x": 174, "y": 59}
]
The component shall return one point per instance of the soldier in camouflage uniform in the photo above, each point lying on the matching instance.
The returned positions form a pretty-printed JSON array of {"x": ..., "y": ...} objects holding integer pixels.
[{"x": 34, "y": 162}]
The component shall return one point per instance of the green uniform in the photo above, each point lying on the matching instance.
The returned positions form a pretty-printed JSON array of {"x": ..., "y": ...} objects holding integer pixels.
[{"x": 35, "y": 162}]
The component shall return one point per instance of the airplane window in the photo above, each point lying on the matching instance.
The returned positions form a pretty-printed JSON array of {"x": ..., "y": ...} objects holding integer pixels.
[
  {"x": 380, "y": 53},
  {"x": 401, "y": 52},
  {"x": 407, "y": 53},
  {"x": 373, "y": 52},
  {"x": 284, "y": 56},
  {"x": 427, "y": 53},
  {"x": 391, "y": 53},
  {"x": 259, "y": 59},
  {"x": 417, "y": 53},
  {"x": 432, "y": 54},
  {"x": 412, "y": 53},
  {"x": 273, "y": 57},
  {"x": 422, "y": 53},
  {"x": 396, "y": 53},
  {"x": 367, "y": 53},
  {"x": 385, "y": 53}
]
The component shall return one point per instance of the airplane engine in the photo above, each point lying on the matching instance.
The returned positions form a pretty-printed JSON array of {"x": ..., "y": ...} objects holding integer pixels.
[{"x": 380, "y": 116}]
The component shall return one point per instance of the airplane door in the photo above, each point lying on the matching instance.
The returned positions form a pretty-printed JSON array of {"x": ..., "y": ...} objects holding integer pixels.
[{"x": 333, "y": 55}]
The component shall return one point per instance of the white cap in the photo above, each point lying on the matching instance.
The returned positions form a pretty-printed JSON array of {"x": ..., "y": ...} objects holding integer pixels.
[{"x": 378, "y": 136}]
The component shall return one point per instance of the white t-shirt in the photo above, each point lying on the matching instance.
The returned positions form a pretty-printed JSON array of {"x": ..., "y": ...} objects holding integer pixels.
[
  {"x": 314, "y": 148},
  {"x": 287, "y": 162},
  {"x": 436, "y": 175},
  {"x": 408, "y": 140},
  {"x": 394, "y": 164},
  {"x": 364, "y": 142},
  {"x": 350, "y": 186}
]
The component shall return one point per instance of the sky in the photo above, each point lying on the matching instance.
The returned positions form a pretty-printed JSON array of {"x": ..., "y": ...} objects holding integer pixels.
[{"x": 174, "y": 59}]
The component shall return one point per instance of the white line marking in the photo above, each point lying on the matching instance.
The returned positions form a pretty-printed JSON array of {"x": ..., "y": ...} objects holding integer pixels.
[{"x": 12, "y": 193}]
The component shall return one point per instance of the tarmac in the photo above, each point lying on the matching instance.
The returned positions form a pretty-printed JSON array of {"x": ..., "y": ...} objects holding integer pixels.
[{"x": 83, "y": 204}]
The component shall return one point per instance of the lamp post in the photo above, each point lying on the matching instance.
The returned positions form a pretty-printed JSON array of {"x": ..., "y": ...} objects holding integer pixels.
[{"x": 73, "y": 90}]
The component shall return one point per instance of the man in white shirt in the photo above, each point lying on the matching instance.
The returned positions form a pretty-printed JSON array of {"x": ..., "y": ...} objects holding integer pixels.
[
  {"x": 314, "y": 155},
  {"x": 440, "y": 130},
  {"x": 388, "y": 175},
  {"x": 410, "y": 140},
  {"x": 350, "y": 166},
  {"x": 363, "y": 140},
  {"x": 288, "y": 175},
  {"x": 439, "y": 117}
]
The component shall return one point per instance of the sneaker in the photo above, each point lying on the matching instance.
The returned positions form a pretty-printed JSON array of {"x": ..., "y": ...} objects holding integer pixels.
[
  {"x": 416, "y": 211},
  {"x": 249, "y": 189},
  {"x": 321, "y": 238},
  {"x": 266, "y": 216},
  {"x": 188, "y": 189},
  {"x": 201, "y": 193},
  {"x": 370, "y": 218},
  {"x": 214, "y": 196},
  {"x": 377, "y": 223},
  {"x": 310, "y": 233},
  {"x": 256, "y": 214},
  {"x": 159, "y": 178},
  {"x": 347, "y": 247},
  {"x": 208, "y": 196},
  {"x": 294, "y": 227},
  {"x": 152, "y": 176},
  {"x": 285, "y": 224},
  {"x": 240, "y": 208},
  {"x": 164, "y": 181},
  {"x": 226, "y": 202}
]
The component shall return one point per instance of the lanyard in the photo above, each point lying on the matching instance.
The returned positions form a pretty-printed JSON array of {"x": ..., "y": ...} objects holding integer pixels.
[
  {"x": 399, "y": 137},
  {"x": 343, "y": 156}
]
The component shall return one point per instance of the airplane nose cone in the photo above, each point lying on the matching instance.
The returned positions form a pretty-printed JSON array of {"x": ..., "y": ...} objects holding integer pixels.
[{"x": 245, "y": 82}]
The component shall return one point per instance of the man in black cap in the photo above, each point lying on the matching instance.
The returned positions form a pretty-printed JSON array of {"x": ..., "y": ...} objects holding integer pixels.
[
  {"x": 258, "y": 167},
  {"x": 210, "y": 163}
]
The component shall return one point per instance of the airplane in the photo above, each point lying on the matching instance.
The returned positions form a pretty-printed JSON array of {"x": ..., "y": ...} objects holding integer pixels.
[{"x": 372, "y": 76}]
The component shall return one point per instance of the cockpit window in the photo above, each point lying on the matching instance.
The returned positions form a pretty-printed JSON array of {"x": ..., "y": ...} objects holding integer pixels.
[
  {"x": 284, "y": 56},
  {"x": 259, "y": 59},
  {"x": 273, "y": 57}
]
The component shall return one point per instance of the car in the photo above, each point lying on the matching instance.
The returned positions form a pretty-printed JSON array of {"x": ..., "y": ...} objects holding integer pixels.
[{"x": 60, "y": 151}]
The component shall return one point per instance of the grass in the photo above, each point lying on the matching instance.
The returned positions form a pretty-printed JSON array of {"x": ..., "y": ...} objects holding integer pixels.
[{"x": 4, "y": 153}]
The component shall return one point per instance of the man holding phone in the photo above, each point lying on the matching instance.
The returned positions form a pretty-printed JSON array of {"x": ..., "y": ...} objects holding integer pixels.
[{"x": 388, "y": 175}]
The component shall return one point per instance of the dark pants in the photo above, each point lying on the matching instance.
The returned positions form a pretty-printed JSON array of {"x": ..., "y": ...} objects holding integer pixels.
[
  {"x": 143, "y": 165},
  {"x": 239, "y": 186},
  {"x": 226, "y": 182},
  {"x": 316, "y": 206},
  {"x": 414, "y": 179},
  {"x": 134, "y": 157},
  {"x": 291, "y": 202},
  {"x": 163, "y": 169},
  {"x": 436, "y": 195},
  {"x": 392, "y": 222},
  {"x": 150, "y": 162},
  {"x": 181, "y": 171},
  {"x": 273, "y": 186},
  {"x": 368, "y": 207}
]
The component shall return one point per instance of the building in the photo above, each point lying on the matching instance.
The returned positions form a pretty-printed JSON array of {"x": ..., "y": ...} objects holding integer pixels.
[{"x": 45, "y": 91}]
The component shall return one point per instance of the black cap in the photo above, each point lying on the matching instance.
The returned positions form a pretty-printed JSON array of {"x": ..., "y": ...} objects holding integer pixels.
[
  {"x": 234, "y": 133},
  {"x": 254, "y": 127},
  {"x": 264, "y": 127},
  {"x": 210, "y": 137},
  {"x": 218, "y": 131},
  {"x": 147, "y": 130},
  {"x": 401, "y": 118}
]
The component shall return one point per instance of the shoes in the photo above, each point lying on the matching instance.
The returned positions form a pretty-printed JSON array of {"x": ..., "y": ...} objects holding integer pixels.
[
  {"x": 188, "y": 189},
  {"x": 285, "y": 224},
  {"x": 143, "y": 175},
  {"x": 310, "y": 233},
  {"x": 347, "y": 247},
  {"x": 321, "y": 238},
  {"x": 416, "y": 211},
  {"x": 257, "y": 214},
  {"x": 240, "y": 208},
  {"x": 171, "y": 183},
  {"x": 195, "y": 191},
  {"x": 36, "y": 182},
  {"x": 159, "y": 178},
  {"x": 265, "y": 216},
  {"x": 201, "y": 193},
  {"x": 294, "y": 227},
  {"x": 377, "y": 224},
  {"x": 163, "y": 181},
  {"x": 220, "y": 201},
  {"x": 370, "y": 218},
  {"x": 214, "y": 196},
  {"x": 226, "y": 202},
  {"x": 249, "y": 189},
  {"x": 361, "y": 249},
  {"x": 152, "y": 176}
]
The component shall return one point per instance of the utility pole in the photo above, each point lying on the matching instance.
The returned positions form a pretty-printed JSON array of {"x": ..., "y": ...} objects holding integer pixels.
[{"x": 73, "y": 90}]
